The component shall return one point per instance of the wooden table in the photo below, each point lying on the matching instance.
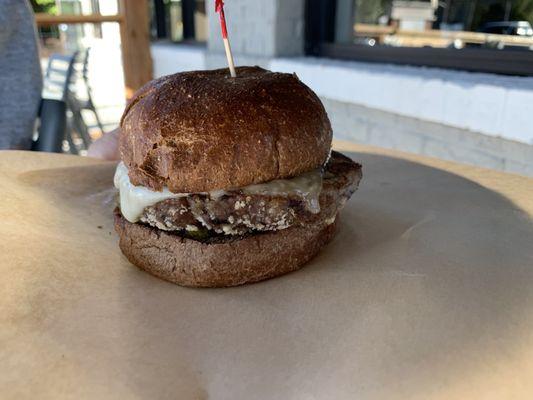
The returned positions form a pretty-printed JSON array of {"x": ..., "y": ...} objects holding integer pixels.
[{"x": 426, "y": 293}]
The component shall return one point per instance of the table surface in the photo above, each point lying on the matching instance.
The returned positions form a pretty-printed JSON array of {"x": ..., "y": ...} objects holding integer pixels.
[{"x": 425, "y": 293}]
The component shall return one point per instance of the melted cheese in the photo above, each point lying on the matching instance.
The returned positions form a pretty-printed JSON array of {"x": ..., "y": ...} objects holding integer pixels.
[{"x": 134, "y": 199}]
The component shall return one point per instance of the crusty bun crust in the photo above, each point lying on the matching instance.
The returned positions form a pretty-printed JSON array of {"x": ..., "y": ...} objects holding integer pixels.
[
  {"x": 230, "y": 262},
  {"x": 203, "y": 130}
]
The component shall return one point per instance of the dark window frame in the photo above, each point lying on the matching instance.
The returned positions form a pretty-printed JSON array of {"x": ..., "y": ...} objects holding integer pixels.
[
  {"x": 160, "y": 22},
  {"x": 319, "y": 42}
]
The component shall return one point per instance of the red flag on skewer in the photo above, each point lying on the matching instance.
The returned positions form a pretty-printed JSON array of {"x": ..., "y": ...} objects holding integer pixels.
[{"x": 219, "y": 8}]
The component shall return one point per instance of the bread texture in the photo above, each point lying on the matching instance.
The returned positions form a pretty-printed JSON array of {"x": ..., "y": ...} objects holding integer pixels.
[
  {"x": 225, "y": 262},
  {"x": 203, "y": 130}
]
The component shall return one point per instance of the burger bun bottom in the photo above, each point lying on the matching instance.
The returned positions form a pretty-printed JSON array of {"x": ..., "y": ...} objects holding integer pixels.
[{"x": 226, "y": 262}]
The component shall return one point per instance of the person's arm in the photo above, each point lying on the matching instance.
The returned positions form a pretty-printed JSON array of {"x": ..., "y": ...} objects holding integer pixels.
[
  {"x": 20, "y": 77},
  {"x": 106, "y": 147}
]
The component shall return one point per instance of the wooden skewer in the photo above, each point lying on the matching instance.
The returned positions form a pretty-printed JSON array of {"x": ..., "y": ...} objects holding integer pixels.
[
  {"x": 229, "y": 56},
  {"x": 219, "y": 8}
]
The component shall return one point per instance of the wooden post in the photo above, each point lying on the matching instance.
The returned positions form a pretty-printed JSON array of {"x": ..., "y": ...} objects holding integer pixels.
[{"x": 135, "y": 38}]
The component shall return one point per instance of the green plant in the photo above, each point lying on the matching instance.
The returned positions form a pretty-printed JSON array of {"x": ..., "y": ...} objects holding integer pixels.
[
  {"x": 522, "y": 10},
  {"x": 44, "y": 6},
  {"x": 368, "y": 11}
]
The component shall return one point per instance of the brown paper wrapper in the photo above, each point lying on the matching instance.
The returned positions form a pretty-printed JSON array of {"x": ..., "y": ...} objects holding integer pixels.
[{"x": 426, "y": 293}]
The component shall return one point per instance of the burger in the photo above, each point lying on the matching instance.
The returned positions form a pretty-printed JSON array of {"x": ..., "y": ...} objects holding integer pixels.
[{"x": 226, "y": 181}]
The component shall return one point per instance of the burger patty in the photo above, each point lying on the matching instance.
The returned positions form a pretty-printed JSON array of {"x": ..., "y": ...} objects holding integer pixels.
[{"x": 236, "y": 213}]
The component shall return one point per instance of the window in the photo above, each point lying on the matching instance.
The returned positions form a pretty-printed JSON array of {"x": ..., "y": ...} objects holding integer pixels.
[
  {"x": 476, "y": 35},
  {"x": 67, "y": 38},
  {"x": 179, "y": 20}
]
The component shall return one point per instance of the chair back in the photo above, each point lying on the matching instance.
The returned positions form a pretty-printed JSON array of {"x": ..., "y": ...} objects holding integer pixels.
[
  {"x": 53, "y": 108},
  {"x": 58, "y": 76}
]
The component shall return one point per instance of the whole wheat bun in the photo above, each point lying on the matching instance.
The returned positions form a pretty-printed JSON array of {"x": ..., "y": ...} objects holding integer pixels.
[
  {"x": 228, "y": 262},
  {"x": 203, "y": 130}
]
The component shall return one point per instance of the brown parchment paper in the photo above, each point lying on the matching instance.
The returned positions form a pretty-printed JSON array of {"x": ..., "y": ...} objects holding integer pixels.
[{"x": 426, "y": 293}]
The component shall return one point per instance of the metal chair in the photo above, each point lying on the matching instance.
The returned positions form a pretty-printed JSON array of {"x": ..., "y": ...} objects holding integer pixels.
[
  {"x": 53, "y": 109},
  {"x": 52, "y": 126},
  {"x": 61, "y": 110},
  {"x": 88, "y": 104}
]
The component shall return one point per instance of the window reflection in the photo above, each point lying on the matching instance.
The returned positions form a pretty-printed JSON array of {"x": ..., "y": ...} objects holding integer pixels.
[{"x": 499, "y": 24}]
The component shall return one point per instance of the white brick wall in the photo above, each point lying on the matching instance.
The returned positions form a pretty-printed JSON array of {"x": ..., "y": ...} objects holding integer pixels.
[
  {"x": 289, "y": 29},
  {"x": 365, "y": 125},
  {"x": 169, "y": 58},
  {"x": 495, "y": 105},
  {"x": 266, "y": 28}
]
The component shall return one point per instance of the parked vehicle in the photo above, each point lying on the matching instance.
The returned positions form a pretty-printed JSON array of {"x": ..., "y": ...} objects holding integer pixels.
[{"x": 518, "y": 28}]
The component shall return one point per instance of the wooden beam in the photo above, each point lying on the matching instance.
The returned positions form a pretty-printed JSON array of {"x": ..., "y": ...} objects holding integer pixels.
[
  {"x": 378, "y": 31},
  {"x": 134, "y": 23},
  {"x": 43, "y": 19},
  {"x": 135, "y": 37}
]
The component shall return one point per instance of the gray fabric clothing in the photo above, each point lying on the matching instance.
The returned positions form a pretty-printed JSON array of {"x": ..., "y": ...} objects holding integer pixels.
[{"x": 20, "y": 74}]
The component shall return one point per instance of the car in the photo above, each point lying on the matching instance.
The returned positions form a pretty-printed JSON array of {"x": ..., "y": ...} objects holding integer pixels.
[{"x": 517, "y": 28}]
